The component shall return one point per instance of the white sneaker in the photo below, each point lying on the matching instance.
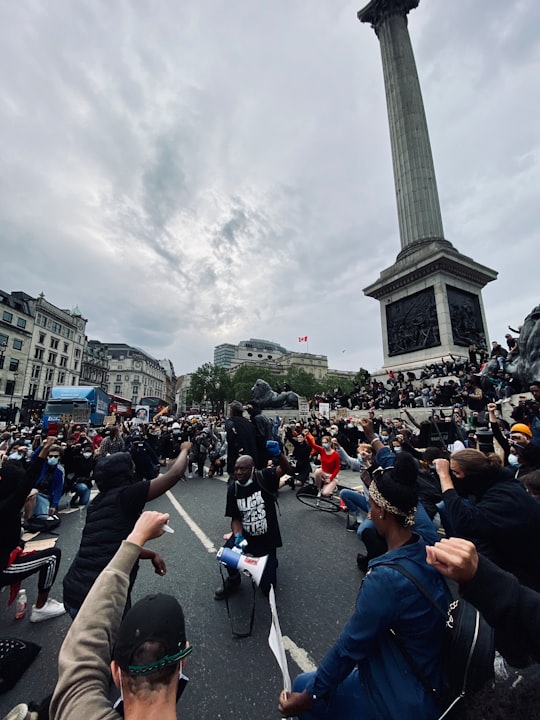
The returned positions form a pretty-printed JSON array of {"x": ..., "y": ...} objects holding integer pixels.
[
  {"x": 19, "y": 712},
  {"x": 51, "y": 609}
]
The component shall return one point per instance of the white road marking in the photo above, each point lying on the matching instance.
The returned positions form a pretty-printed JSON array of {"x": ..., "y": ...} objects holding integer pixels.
[
  {"x": 299, "y": 655},
  {"x": 205, "y": 540}
]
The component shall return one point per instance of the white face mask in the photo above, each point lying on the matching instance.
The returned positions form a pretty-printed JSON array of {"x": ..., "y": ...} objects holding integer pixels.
[
  {"x": 513, "y": 460},
  {"x": 326, "y": 445},
  {"x": 15, "y": 456},
  {"x": 52, "y": 461},
  {"x": 87, "y": 455}
]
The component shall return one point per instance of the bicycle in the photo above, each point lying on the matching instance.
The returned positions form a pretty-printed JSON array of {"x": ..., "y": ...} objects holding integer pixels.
[{"x": 310, "y": 496}]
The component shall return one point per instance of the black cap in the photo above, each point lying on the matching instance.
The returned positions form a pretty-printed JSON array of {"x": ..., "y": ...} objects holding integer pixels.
[{"x": 155, "y": 618}]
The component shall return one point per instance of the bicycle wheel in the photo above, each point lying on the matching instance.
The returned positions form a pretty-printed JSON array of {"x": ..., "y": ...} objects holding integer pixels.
[{"x": 324, "y": 503}]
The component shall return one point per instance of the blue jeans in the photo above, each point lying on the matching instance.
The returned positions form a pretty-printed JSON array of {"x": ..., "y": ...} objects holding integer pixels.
[
  {"x": 42, "y": 505},
  {"x": 345, "y": 704},
  {"x": 356, "y": 502},
  {"x": 82, "y": 492}
]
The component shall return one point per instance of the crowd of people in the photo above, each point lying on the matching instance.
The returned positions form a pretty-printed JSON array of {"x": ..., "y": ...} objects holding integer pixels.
[
  {"x": 466, "y": 474},
  {"x": 451, "y": 381}
]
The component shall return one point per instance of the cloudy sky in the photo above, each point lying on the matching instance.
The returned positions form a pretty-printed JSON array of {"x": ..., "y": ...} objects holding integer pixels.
[{"x": 197, "y": 172}]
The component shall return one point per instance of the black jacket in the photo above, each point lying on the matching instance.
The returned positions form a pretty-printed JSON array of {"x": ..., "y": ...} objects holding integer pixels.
[
  {"x": 511, "y": 609},
  {"x": 502, "y": 519},
  {"x": 110, "y": 518}
]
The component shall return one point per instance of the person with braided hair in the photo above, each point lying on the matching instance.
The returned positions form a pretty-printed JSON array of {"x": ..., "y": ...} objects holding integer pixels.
[{"x": 366, "y": 674}]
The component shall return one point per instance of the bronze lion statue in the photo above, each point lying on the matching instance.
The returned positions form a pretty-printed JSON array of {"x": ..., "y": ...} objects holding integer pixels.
[
  {"x": 267, "y": 398},
  {"x": 526, "y": 366}
]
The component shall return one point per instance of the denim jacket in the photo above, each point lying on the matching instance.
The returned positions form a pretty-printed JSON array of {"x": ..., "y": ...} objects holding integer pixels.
[{"x": 388, "y": 600}]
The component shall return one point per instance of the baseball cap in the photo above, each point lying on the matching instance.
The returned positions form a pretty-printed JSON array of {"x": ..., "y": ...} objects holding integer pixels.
[
  {"x": 155, "y": 618},
  {"x": 521, "y": 428}
]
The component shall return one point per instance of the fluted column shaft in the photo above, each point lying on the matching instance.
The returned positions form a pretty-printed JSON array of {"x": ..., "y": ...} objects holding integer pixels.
[{"x": 419, "y": 212}]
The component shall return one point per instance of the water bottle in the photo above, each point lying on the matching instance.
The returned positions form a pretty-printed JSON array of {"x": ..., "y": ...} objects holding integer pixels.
[{"x": 20, "y": 605}]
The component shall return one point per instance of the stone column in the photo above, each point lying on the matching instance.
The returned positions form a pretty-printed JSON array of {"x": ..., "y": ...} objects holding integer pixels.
[
  {"x": 419, "y": 212},
  {"x": 430, "y": 298}
]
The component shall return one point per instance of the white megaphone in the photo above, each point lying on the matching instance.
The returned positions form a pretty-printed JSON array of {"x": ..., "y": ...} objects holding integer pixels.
[{"x": 253, "y": 566}]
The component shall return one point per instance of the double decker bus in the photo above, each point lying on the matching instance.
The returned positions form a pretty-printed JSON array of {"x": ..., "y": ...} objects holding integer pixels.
[
  {"x": 119, "y": 406},
  {"x": 156, "y": 404}
]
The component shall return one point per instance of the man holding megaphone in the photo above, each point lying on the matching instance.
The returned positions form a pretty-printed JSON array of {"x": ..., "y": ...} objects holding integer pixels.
[{"x": 251, "y": 505}]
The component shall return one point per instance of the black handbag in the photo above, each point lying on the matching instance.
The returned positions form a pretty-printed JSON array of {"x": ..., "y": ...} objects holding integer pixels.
[
  {"x": 469, "y": 650},
  {"x": 16, "y": 656}
]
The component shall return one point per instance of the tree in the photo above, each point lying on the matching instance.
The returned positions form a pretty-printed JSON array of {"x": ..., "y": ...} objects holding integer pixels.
[
  {"x": 210, "y": 383},
  {"x": 302, "y": 383},
  {"x": 362, "y": 377},
  {"x": 246, "y": 377}
]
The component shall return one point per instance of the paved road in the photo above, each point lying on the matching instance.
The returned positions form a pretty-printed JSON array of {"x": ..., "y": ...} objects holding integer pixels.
[{"x": 317, "y": 585}]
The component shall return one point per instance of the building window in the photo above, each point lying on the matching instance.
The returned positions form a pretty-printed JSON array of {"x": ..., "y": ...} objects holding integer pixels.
[
  {"x": 54, "y": 343},
  {"x": 41, "y": 320},
  {"x": 63, "y": 361},
  {"x": 135, "y": 389},
  {"x": 61, "y": 378},
  {"x": 52, "y": 358},
  {"x": 10, "y": 387},
  {"x": 13, "y": 365},
  {"x": 117, "y": 389},
  {"x": 135, "y": 378},
  {"x": 21, "y": 322},
  {"x": 17, "y": 344},
  {"x": 7, "y": 316},
  {"x": 3, "y": 340},
  {"x": 249, "y": 354},
  {"x": 76, "y": 365},
  {"x": 32, "y": 391},
  {"x": 41, "y": 338},
  {"x": 56, "y": 328},
  {"x": 66, "y": 347},
  {"x": 36, "y": 369},
  {"x": 77, "y": 352},
  {"x": 49, "y": 375},
  {"x": 38, "y": 354}
]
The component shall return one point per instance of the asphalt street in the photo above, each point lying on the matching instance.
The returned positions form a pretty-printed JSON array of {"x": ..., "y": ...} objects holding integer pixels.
[{"x": 229, "y": 678}]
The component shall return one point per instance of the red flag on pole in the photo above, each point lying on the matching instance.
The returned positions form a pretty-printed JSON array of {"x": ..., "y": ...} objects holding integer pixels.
[{"x": 302, "y": 339}]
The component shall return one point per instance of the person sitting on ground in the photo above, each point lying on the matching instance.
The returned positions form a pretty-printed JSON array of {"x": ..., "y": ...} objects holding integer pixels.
[
  {"x": 326, "y": 475},
  {"x": 251, "y": 505},
  {"x": 403, "y": 466},
  {"x": 44, "y": 499},
  {"x": 365, "y": 674},
  {"x": 79, "y": 464},
  {"x": 355, "y": 500},
  {"x": 144, "y": 652},
  {"x": 111, "y": 516},
  {"x": 112, "y": 442},
  {"x": 301, "y": 454},
  {"x": 15, "y": 563},
  {"x": 485, "y": 504},
  {"x": 513, "y": 610}
]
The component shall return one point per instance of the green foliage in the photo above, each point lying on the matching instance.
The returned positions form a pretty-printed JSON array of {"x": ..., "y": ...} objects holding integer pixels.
[
  {"x": 362, "y": 377},
  {"x": 302, "y": 382},
  {"x": 246, "y": 377},
  {"x": 210, "y": 383}
]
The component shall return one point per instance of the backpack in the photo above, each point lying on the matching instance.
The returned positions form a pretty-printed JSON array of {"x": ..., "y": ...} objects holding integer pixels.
[{"x": 469, "y": 650}]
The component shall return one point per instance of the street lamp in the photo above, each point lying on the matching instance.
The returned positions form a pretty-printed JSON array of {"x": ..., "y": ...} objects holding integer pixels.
[{"x": 12, "y": 413}]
